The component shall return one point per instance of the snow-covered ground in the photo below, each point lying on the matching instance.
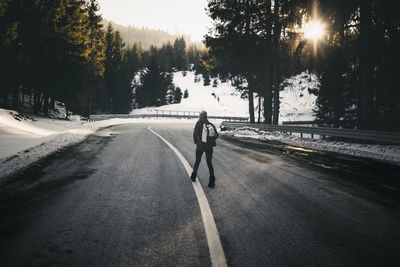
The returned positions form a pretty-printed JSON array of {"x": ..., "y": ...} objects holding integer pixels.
[
  {"x": 226, "y": 102},
  {"x": 297, "y": 102},
  {"x": 24, "y": 140},
  {"x": 389, "y": 153}
]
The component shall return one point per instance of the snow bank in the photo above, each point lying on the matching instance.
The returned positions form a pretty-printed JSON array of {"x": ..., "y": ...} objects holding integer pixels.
[
  {"x": 389, "y": 153},
  {"x": 20, "y": 133}
]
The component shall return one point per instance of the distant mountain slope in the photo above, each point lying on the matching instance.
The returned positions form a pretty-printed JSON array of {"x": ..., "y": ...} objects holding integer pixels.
[{"x": 147, "y": 37}]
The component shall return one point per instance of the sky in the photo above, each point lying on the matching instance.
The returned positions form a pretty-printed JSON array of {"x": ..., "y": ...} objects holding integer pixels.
[{"x": 174, "y": 16}]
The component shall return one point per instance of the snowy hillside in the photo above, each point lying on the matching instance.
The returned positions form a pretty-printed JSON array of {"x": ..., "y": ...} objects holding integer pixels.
[
  {"x": 297, "y": 102},
  {"x": 224, "y": 100}
]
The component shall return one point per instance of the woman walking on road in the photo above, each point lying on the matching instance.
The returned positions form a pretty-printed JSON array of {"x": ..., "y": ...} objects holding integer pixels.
[{"x": 204, "y": 136}]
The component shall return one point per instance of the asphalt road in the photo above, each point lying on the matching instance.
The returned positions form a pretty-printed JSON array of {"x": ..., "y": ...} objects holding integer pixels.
[{"x": 123, "y": 198}]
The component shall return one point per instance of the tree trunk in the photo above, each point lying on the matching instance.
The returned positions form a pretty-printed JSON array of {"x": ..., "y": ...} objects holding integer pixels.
[
  {"x": 277, "y": 82},
  {"x": 53, "y": 104},
  {"x": 276, "y": 98},
  {"x": 45, "y": 102},
  {"x": 249, "y": 78},
  {"x": 22, "y": 98},
  {"x": 276, "y": 60},
  {"x": 268, "y": 107},
  {"x": 259, "y": 109},
  {"x": 251, "y": 99},
  {"x": 268, "y": 98},
  {"x": 251, "y": 105},
  {"x": 268, "y": 68},
  {"x": 36, "y": 102},
  {"x": 365, "y": 93},
  {"x": 16, "y": 99},
  {"x": 89, "y": 106}
]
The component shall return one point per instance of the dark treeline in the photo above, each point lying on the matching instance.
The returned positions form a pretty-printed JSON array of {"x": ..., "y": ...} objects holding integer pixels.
[
  {"x": 175, "y": 56},
  {"x": 59, "y": 50},
  {"x": 257, "y": 44},
  {"x": 358, "y": 63},
  {"x": 147, "y": 37}
]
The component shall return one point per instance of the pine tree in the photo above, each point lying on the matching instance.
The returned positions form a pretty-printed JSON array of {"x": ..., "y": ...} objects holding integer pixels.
[
  {"x": 153, "y": 86},
  {"x": 331, "y": 99},
  {"x": 215, "y": 83},
  {"x": 177, "y": 95},
  {"x": 71, "y": 66},
  {"x": 179, "y": 52},
  {"x": 170, "y": 97},
  {"x": 365, "y": 32},
  {"x": 120, "y": 66},
  {"x": 41, "y": 37},
  {"x": 193, "y": 56},
  {"x": 9, "y": 51},
  {"x": 206, "y": 79},
  {"x": 231, "y": 42},
  {"x": 55, "y": 49},
  {"x": 134, "y": 58},
  {"x": 94, "y": 89},
  {"x": 167, "y": 57}
]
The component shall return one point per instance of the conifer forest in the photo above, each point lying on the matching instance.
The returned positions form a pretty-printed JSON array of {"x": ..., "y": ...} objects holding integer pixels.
[{"x": 61, "y": 50}]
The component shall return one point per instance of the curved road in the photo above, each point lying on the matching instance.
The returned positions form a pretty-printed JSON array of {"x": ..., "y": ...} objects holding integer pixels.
[{"x": 123, "y": 198}]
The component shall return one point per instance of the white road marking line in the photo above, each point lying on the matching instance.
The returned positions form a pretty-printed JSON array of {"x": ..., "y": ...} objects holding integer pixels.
[{"x": 214, "y": 243}]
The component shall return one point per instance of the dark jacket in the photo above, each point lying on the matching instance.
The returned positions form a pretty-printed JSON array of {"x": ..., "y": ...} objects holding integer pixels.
[{"x": 198, "y": 129}]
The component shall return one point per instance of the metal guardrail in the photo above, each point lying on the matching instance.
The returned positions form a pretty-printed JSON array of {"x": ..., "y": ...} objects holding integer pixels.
[
  {"x": 164, "y": 115},
  {"x": 300, "y": 122},
  {"x": 317, "y": 122},
  {"x": 376, "y": 136}
]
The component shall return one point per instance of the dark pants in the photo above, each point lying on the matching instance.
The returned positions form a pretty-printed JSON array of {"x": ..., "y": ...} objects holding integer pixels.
[{"x": 199, "y": 152}]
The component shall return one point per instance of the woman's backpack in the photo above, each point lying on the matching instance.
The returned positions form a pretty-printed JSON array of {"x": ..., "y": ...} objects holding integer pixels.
[{"x": 211, "y": 134}]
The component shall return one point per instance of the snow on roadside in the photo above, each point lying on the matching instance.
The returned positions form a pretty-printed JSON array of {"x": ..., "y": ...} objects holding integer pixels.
[
  {"x": 389, "y": 153},
  {"x": 25, "y": 140}
]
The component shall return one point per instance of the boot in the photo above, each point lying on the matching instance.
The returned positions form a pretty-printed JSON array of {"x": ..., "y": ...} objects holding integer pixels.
[
  {"x": 193, "y": 177},
  {"x": 211, "y": 183}
]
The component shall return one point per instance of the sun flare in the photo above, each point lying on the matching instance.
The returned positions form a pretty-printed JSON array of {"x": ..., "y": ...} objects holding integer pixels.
[{"x": 314, "y": 30}]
